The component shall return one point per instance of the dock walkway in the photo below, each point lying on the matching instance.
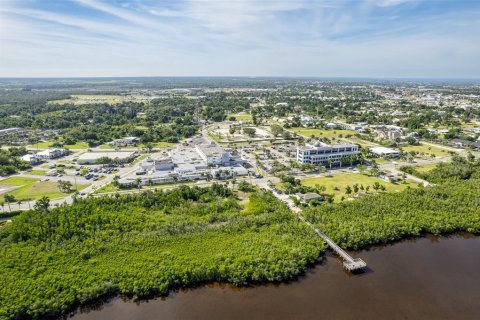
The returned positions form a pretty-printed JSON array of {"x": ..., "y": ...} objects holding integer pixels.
[{"x": 349, "y": 263}]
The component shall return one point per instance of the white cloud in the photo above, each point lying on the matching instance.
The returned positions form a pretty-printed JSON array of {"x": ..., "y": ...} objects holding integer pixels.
[{"x": 241, "y": 37}]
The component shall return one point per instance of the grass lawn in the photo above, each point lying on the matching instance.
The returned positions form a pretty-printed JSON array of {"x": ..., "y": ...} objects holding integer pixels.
[
  {"x": 105, "y": 146},
  {"x": 161, "y": 144},
  {"x": 110, "y": 188},
  {"x": 342, "y": 180},
  {"x": 361, "y": 142},
  {"x": 48, "y": 144},
  {"x": 36, "y": 172},
  {"x": 425, "y": 167},
  {"x": 215, "y": 137},
  {"x": 383, "y": 161},
  {"x": 427, "y": 150},
  {"x": 307, "y": 132},
  {"x": 242, "y": 116},
  {"x": 34, "y": 189},
  {"x": 78, "y": 145},
  {"x": 42, "y": 145}
]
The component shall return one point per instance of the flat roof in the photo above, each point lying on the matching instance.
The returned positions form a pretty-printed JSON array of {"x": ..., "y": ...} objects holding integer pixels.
[
  {"x": 383, "y": 150},
  {"x": 210, "y": 149},
  {"x": 111, "y": 155},
  {"x": 319, "y": 144}
]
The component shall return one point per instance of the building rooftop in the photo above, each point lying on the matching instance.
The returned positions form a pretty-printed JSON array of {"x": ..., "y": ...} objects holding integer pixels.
[
  {"x": 319, "y": 144},
  {"x": 210, "y": 149},
  {"x": 111, "y": 155},
  {"x": 311, "y": 196},
  {"x": 382, "y": 150}
]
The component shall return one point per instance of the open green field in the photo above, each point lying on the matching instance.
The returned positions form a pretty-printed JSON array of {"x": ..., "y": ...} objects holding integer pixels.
[
  {"x": 425, "y": 167},
  {"x": 41, "y": 145},
  {"x": 161, "y": 144},
  {"x": 427, "y": 150},
  {"x": 341, "y": 181},
  {"x": 37, "y": 172},
  {"x": 383, "y": 161},
  {"x": 79, "y": 99},
  {"x": 361, "y": 142},
  {"x": 307, "y": 132},
  {"x": 34, "y": 189},
  {"x": 105, "y": 146},
  {"x": 241, "y": 116},
  {"x": 78, "y": 145},
  {"x": 48, "y": 144}
]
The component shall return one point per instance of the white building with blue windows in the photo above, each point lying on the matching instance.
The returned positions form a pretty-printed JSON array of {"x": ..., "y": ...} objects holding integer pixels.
[{"x": 319, "y": 152}]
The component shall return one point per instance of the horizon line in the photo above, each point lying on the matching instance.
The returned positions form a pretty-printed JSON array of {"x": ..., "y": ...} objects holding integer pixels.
[{"x": 244, "y": 77}]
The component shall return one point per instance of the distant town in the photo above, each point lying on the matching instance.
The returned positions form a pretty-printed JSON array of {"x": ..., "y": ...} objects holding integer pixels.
[{"x": 314, "y": 131}]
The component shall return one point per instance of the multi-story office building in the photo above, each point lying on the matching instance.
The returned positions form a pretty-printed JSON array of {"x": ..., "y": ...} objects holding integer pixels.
[{"x": 319, "y": 152}]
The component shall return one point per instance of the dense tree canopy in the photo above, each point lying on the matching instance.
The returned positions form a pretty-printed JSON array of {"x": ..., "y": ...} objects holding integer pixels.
[{"x": 143, "y": 245}]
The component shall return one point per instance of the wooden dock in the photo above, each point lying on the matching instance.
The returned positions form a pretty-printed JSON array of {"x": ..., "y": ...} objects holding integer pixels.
[{"x": 349, "y": 263}]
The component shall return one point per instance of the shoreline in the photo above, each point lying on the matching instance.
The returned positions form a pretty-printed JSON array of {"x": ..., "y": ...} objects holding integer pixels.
[{"x": 97, "y": 305}]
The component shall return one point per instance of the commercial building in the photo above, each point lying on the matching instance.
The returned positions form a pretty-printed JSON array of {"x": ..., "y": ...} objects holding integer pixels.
[
  {"x": 152, "y": 165},
  {"x": 204, "y": 161},
  {"x": 52, "y": 153},
  {"x": 31, "y": 159},
  {"x": 319, "y": 152},
  {"x": 127, "y": 141},
  {"x": 213, "y": 154},
  {"x": 384, "y": 152},
  {"x": 332, "y": 125},
  {"x": 115, "y": 156}
]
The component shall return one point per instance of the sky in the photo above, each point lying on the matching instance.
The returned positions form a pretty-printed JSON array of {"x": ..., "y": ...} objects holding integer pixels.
[{"x": 314, "y": 38}]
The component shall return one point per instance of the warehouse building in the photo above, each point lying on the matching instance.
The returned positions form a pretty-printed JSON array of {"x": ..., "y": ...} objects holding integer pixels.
[{"x": 96, "y": 157}]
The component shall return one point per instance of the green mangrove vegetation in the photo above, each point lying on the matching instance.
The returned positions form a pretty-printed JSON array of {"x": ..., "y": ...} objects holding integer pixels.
[{"x": 142, "y": 245}]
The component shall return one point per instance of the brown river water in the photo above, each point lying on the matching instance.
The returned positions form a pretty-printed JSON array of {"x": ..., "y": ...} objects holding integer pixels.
[{"x": 424, "y": 278}]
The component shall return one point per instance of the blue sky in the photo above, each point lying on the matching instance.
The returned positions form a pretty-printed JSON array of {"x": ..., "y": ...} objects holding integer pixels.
[{"x": 324, "y": 38}]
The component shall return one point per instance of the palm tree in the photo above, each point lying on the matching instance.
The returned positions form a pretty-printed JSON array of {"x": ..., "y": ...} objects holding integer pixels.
[
  {"x": 138, "y": 182},
  {"x": 115, "y": 180},
  {"x": 42, "y": 204},
  {"x": 8, "y": 199}
]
